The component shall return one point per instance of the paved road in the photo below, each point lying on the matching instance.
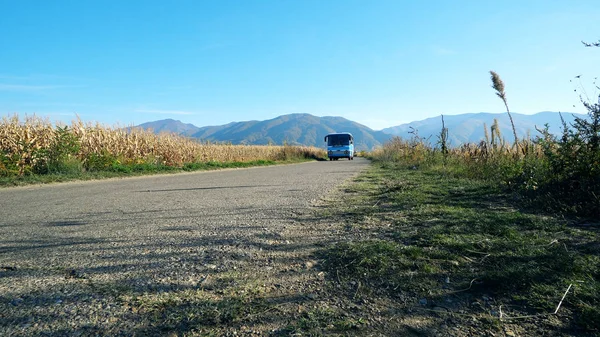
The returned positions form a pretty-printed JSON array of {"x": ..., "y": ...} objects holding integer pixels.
[
  {"x": 155, "y": 202},
  {"x": 146, "y": 233}
]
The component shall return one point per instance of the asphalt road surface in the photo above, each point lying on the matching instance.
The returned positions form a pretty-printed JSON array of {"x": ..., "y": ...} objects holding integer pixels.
[
  {"x": 60, "y": 243},
  {"x": 143, "y": 206}
]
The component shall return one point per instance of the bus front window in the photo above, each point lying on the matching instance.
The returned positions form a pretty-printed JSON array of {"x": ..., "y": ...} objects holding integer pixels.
[{"x": 338, "y": 140}]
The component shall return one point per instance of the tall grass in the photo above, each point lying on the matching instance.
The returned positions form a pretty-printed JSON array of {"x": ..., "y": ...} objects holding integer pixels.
[
  {"x": 556, "y": 174},
  {"x": 498, "y": 86},
  {"x": 35, "y": 146},
  {"x": 552, "y": 174}
]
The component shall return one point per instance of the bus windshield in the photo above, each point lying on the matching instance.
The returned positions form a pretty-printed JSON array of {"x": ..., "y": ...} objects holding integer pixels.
[{"x": 338, "y": 140}]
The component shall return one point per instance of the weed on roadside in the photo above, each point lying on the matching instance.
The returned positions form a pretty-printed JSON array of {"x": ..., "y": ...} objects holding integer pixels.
[{"x": 443, "y": 241}]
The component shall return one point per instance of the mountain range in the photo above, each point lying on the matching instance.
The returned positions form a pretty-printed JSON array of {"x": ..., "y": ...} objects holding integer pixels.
[
  {"x": 293, "y": 129},
  {"x": 306, "y": 129},
  {"x": 469, "y": 128}
]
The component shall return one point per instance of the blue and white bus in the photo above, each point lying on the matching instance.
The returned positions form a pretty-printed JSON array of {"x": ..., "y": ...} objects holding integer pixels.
[{"x": 340, "y": 145}]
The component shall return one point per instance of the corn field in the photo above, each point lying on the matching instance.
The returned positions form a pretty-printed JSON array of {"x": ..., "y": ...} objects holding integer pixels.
[{"x": 33, "y": 145}]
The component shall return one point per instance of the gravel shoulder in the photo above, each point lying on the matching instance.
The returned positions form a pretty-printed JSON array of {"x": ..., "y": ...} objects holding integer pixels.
[{"x": 221, "y": 252}]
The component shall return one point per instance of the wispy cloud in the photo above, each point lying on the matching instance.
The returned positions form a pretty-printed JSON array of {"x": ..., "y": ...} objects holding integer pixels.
[
  {"x": 165, "y": 112},
  {"x": 55, "y": 104},
  {"x": 14, "y": 78},
  {"x": 40, "y": 77},
  {"x": 39, "y": 83},
  {"x": 438, "y": 50},
  {"x": 27, "y": 87}
]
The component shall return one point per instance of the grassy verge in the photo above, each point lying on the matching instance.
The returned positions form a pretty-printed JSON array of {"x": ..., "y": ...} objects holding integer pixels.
[
  {"x": 118, "y": 170},
  {"x": 198, "y": 311},
  {"x": 461, "y": 247}
]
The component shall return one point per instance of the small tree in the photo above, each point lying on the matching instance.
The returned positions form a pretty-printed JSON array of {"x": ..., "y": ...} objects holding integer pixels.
[
  {"x": 573, "y": 180},
  {"x": 589, "y": 131}
]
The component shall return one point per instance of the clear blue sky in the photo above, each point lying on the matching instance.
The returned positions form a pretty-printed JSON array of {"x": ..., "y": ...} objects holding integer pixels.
[{"x": 380, "y": 63}]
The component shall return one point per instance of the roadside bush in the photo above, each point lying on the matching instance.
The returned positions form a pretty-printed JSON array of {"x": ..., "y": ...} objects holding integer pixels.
[
  {"x": 61, "y": 155},
  {"x": 567, "y": 177}
]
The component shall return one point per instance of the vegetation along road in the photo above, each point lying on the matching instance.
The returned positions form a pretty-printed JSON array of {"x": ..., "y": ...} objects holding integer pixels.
[{"x": 181, "y": 254}]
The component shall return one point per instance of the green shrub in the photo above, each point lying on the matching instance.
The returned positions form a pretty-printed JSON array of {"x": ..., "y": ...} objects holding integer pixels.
[{"x": 567, "y": 178}]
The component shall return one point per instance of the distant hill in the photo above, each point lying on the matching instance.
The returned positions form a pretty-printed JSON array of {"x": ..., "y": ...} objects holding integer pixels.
[
  {"x": 306, "y": 129},
  {"x": 171, "y": 126},
  {"x": 293, "y": 129},
  {"x": 466, "y": 128}
]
